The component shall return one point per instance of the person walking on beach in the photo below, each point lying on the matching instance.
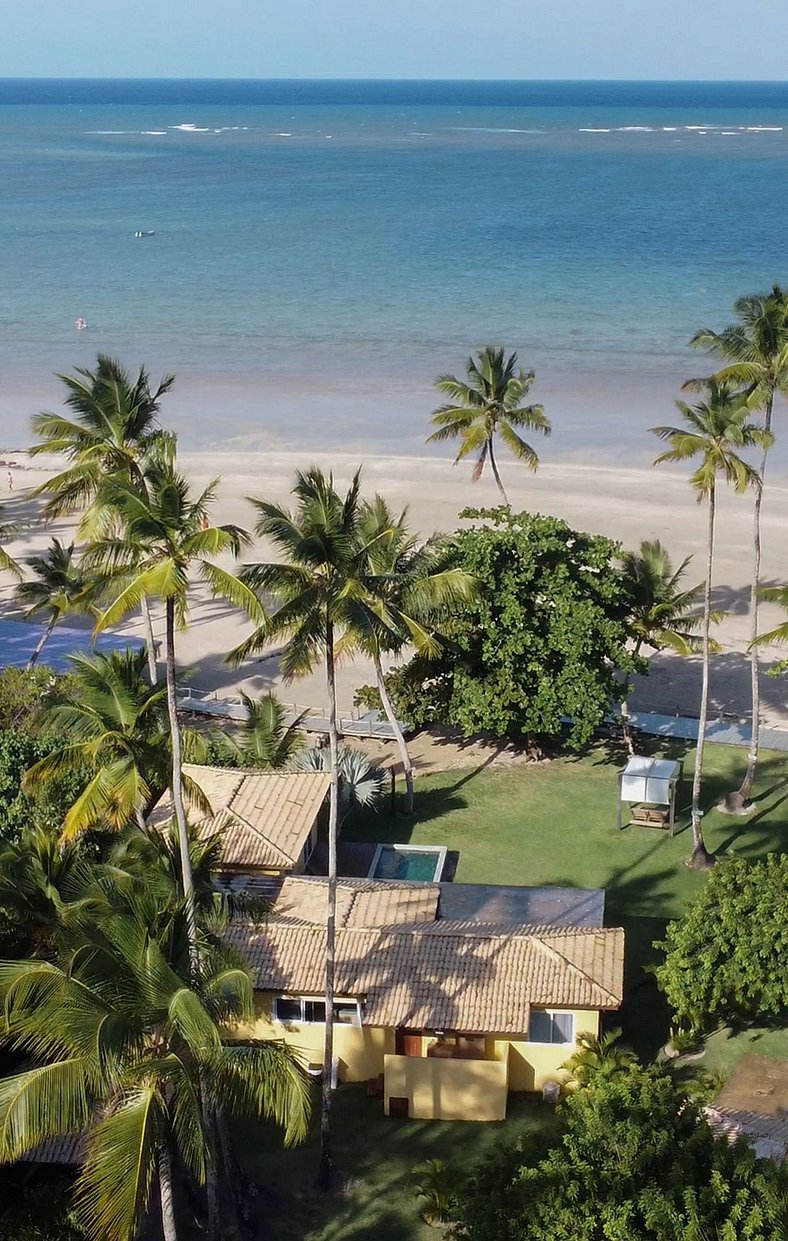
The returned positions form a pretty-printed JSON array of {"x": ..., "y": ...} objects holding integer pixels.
[{"x": 10, "y": 481}]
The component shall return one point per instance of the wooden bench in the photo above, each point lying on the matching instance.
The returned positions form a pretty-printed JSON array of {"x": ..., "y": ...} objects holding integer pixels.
[{"x": 650, "y": 816}]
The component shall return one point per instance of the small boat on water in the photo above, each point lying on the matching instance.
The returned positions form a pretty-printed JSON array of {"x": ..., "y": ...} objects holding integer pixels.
[{"x": 151, "y": 232}]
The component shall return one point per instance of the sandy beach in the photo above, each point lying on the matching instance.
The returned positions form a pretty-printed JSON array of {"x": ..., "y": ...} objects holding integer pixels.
[{"x": 626, "y": 504}]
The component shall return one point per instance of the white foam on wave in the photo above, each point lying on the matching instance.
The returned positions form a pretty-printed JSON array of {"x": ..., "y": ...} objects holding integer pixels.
[
  {"x": 189, "y": 128},
  {"x": 669, "y": 129},
  {"x": 154, "y": 133},
  {"x": 283, "y": 135},
  {"x": 110, "y": 131},
  {"x": 764, "y": 129},
  {"x": 593, "y": 131},
  {"x": 493, "y": 129},
  {"x": 702, "y": 128},
  {"x": 635, "y": 129}
]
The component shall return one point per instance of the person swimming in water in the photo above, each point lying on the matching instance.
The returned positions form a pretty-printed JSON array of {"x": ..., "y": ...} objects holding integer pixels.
[{"x": 80, "y": 323}]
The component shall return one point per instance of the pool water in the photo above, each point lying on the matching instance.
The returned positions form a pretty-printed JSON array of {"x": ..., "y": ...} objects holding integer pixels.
[{"x": 418, "y": 865}]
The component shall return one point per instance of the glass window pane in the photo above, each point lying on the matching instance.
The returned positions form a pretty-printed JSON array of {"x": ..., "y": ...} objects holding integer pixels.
[
  {"x": 540, "y": 1029},
  {"x": 314, "y": 1011},
  {"x": 346, "y": 1014},
  {"x": 286, "y": 1009},
  {"x": 563, "y": 1028}
]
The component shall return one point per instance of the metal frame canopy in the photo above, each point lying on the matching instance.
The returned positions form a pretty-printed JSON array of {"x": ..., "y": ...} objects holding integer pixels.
[{"x": 649, "y": 782}]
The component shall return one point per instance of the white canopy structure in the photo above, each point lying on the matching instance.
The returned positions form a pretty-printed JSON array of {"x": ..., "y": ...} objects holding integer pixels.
[{"x": 647, "y": 783}]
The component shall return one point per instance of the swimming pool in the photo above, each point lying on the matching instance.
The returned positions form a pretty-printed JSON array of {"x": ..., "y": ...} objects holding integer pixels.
[{"x": 417, "y": 863}]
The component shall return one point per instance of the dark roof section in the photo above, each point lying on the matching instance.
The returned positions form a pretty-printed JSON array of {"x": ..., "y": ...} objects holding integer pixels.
[{"x": 485, "y": 902}]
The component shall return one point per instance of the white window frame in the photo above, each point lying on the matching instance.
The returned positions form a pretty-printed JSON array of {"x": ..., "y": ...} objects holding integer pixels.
[
  {"x": 554, "y": 1012},
  {"x": 303, "y": 1000}
]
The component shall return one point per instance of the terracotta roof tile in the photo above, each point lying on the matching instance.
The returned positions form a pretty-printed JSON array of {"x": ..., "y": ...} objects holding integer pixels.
[
  {"x": 266, "y": 816},
  {"x": 443, "y": 976}
]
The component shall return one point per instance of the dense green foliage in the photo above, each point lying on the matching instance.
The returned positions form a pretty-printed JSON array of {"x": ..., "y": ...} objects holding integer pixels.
[
  {"x": 541, "y": 642},
  {"x": 38, "y": 1208},
  {"x": 726, "y": 958},
  {"x": 635, "y": 1162}
]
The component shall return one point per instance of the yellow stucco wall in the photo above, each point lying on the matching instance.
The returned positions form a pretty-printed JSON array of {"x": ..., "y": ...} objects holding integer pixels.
[
  {"x": 359, "y": 1049},
  {"x": 532, "y": 1064},
  {"x": 447, "y": 1089},
  {"x": 362, "y": 1050}
]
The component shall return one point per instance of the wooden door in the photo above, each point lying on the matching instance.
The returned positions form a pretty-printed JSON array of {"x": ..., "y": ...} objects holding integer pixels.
[{"x": 408, "y": 1043}]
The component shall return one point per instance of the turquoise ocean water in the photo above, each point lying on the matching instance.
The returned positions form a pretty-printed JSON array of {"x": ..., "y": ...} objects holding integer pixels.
[{"x": 321, "y": 251}]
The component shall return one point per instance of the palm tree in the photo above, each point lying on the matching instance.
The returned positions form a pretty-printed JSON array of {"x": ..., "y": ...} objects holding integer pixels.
[
  {"x": 113, "y": 734},
  {"x": 714, "y": 430},
  {"x": 599, "y": 1057},
  {"x": 756, "y": 352},
  {"x": 57, "y": 586},
  {"x": 161, "y": 535},
  {"x": 361, "y": 783},
  {"x": 7, "y": 531},
  {"x": 662, "y": 611},
  {"x": 416, "y": 585},
  {"x": 489, "y": 403},
  {"x": 128, "y": 1051},
  {"x": 321, "y": 594},
  {"x": 265, "y": 739},
  {"x": 113, "y": 432}
]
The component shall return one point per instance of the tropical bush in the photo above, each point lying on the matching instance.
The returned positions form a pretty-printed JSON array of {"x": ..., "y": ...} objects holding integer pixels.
[
  {"x": 725, "y": 959},
  {"x": 536, "y": 652},
  {"x": 635, "y": 1161}
]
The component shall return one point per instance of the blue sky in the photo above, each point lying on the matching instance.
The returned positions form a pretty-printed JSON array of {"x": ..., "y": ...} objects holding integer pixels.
[{"x": 395, "y": 38}]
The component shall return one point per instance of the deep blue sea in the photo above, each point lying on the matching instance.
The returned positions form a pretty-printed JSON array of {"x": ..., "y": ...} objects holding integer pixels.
[{"x": 322, "y": 250}]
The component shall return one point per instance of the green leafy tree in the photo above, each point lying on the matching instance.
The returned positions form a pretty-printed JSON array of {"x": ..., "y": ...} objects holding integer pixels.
[
  {"x": 489, "y": 403},
  {"x": 755, "y": 350},
  {"x": 37, "y": 805},
  {"x": 25, "y": 692},
  {"x": 434, "y": 1189},
  {"x": 725, "y": 958},
  {"x": 663, "y": 611},
  {"x": 534, "y": 653},
  {"x": 160, "y": 538},
  {"x": 634, "y": 1161},
  {"x": 417, "y": 586},
  {"x": 113, "y": 432},
  {"x": 128, "y": 1050},
  {"x": 57, "y": 586},
  {"x": 323, "y": 595},
  {"x": 714, "y": 432},
  {"x": 264, "y": 740}
]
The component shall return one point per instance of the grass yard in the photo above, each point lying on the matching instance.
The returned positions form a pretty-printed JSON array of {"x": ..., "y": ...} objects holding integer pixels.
[
  {"x": 551, "y": 823},
  {"x": 376, "y": 1155}
]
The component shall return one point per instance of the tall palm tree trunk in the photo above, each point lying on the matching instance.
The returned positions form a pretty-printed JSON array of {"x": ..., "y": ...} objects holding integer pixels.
[
  {"x": 739, "y": 802},
  {"x": 494, "y": 465},
  {"x": 42, "y": 641},
  {"x": 168, "y": 1228},
  {"x": 402, "y": 745},
  {"x": 700, "y": 858},
  {"x": 150, "y": 641},
  {"x": 177, "y": 783},
  {"x": 325, "y": 1175}
]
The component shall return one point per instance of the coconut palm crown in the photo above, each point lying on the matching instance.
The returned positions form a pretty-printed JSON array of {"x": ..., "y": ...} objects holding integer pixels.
[
  {"x": 57, "y": 586},
  {"x": 114, "y": 428},
  {"x": 487, "y": 404}
]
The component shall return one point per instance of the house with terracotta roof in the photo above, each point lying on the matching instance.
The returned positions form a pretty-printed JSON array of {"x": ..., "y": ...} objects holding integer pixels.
[
  {"x": 445, "y": 1016},
  {"x": 269, "y": 820}
]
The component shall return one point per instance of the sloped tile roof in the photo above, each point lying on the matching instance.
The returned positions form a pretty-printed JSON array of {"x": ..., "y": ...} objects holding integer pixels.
[
  {"x": 266, "y": 816},
  {"x": 439, "y": 975},
  {"x": 360, "y": 902}
]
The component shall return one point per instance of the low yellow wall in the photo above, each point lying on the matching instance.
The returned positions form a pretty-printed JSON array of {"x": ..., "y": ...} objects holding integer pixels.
[
  {"x": 533, "y": 1064},
  {"x": 359, "y": 1049},
  {"x": 447, "y": 1089}
]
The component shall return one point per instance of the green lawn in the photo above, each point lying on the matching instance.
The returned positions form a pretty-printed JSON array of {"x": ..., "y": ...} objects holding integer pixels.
[
  {"x": 550, "y": 823},
  {"x": 376, "y": 1155}
]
